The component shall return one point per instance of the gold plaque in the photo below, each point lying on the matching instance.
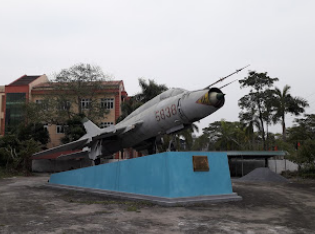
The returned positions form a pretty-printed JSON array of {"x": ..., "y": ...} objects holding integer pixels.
[{"x": 200, "y": 163}]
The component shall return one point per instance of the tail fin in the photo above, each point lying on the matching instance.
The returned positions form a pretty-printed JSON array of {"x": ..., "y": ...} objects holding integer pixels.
[{"x": 90, "y": 127}]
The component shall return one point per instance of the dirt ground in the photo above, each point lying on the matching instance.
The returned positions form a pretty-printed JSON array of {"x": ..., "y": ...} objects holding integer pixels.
[{"x": 26, "y": 206}]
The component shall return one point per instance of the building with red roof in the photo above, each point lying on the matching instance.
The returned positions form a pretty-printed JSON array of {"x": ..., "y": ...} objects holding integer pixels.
[{"x": 36, "y": 87}]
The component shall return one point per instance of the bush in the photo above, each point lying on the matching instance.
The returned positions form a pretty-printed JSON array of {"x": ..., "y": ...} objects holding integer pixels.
[
  {"x": 308, "y": 173},
  {"x": 306, "y": 155},
  {"x": 8, "y": 173}
]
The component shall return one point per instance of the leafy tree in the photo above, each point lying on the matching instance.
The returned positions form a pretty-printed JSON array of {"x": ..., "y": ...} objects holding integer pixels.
[
  {"x": 283, "y": 103},
  {"x": 302, "y": 130},
  {"x": 81, "y": 81},
  {"x": 306, "y": 155},
  {"x": 27, "y": 149},
  {"x": 75, "y": 90},
  {"x": 226, "y": 135},
  {"x": 202, "y": 143},
  {"x": 285, "y": 146},
  {"x": 74, "y": 130},
  {"x": 254, "y": 105},
  {"x": 35, "y": 131},
  {"x": 44, "y": 112},
  {"x": 9, "y": 144},
  {"x": 16, "y": 155},
  {"x": 73, "y": 94}
]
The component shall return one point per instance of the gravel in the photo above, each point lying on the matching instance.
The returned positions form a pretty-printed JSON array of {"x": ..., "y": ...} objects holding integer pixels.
[{"x": 263, "y": 174}]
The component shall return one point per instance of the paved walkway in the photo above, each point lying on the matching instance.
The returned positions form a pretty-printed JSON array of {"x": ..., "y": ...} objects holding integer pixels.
[{"x": 26, "y": 206}]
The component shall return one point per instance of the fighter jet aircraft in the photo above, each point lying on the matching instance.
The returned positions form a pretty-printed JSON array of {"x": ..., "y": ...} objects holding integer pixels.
[{"x": 169, "y": 112}]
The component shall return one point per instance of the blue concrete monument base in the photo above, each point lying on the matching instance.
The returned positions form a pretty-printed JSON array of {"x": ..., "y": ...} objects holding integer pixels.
[{"x": 166, "y": 178}]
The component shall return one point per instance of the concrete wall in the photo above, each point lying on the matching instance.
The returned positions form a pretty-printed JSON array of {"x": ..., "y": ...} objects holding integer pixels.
[
  {"x": 168, "y": 175},
  {"x": 279, "y": 166}
]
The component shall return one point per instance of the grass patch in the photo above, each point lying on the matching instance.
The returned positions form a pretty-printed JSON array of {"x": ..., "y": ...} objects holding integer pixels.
[
  {"x": 109, "y": 202},
  {"x": 308, "y": 176},
  {"x": 7, "y": 174},
  {"x": 133, "y": 208},
  {"x": 99, "y": 202},
  {"x": 303, "y": 173}
]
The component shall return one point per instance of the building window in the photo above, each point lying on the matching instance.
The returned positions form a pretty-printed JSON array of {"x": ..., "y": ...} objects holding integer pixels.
[
  {"x": 85, "y": 103},
  {"x": 107, "y": 103},
  {"x": 43, "y": 103},
  {"x": 15, "y": 113},
  {"x": 106, "y": 124},
  {"x": 61, "y": 128},
  {"x": 64, "y": 105}
]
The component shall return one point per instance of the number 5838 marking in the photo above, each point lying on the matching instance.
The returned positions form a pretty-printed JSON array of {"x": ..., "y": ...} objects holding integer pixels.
[{"x": 166, "y": 112}]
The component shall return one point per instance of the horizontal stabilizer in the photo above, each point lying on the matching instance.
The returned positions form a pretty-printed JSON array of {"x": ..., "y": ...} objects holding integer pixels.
[
  {"x": 75, "y": 145},
  {"x": 81, "y": 154}
]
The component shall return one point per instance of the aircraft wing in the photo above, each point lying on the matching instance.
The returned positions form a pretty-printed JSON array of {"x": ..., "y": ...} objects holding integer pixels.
[
  {"x": 119, "y": 131},
  {"x": 69, "y": 147},
  {"x": 74, "y": 149}
]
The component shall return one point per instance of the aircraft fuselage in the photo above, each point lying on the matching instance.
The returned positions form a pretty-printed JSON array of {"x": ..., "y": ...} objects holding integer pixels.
[{"x": 168, "y": 112}]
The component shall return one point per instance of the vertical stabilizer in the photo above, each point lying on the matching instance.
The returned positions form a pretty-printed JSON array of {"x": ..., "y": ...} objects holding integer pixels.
[{"x": 90, "y": 127}]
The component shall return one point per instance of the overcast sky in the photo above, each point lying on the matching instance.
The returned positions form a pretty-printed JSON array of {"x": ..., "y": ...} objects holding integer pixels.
[{"x": 186, "y": 44}]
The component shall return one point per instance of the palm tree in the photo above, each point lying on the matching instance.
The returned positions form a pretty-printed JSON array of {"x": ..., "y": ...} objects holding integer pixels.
[
  {"x": 202, "y": 143},
  {"x": 173, "y": 140},
  {"x": 226, "y": 135},
  {"x": 250, "y": 120},
  {"x": 284, "y": 103},
  {"x": 150, "y": 90},
  {"x": 267, "y": 114},
  {"x": 127, "y": 107}
]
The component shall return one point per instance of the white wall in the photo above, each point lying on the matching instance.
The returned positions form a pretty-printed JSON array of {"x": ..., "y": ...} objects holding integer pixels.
[{"x": 279, "y": 166}]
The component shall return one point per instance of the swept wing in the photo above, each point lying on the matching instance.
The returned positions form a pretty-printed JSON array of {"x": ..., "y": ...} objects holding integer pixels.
[
  {"x": 82, "y": 147},
  {"x": 68, "y": 148}
]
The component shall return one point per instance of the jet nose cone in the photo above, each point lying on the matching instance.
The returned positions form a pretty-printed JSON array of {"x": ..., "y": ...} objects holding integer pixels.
[{"x": 220, "y": 96}]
